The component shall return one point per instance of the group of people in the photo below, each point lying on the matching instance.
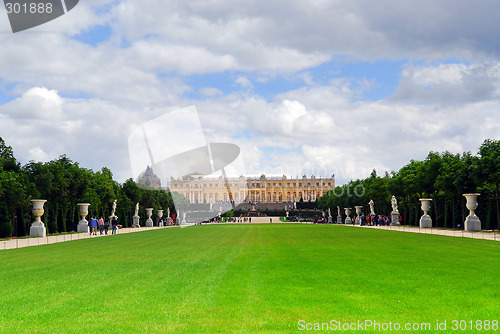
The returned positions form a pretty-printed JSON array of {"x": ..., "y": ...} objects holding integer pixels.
[
  {"x": 377, "y": 220},
  {"x": 103, "y": 225}
]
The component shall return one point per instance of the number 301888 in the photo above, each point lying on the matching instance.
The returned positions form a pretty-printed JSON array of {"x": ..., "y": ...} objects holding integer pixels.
[
  {"x": 474, "y": 325},
  {"x": 29, "y": 8}
]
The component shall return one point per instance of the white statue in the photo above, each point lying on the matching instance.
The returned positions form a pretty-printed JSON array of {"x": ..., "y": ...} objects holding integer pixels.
[
  {"x": 136, "y": 210},
  {"x": 168, "y": 212},
  {"x": 294, "y": 205},
  {"x": 372, "y": 210},
  {"x": 329, "y": 212},
  {"x": 338, "y": 211},
  {"x": 113, "y": 211},
  {"x": 394, "y": 203}
]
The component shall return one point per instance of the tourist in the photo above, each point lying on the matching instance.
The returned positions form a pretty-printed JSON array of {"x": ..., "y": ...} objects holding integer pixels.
[
  {"x": 270, "y": 220},
  {"x": 106, "y": 226},
  {"x": 93, "y": 224},
  {"x": 114, "y": 225},
  {"x": 101, "y": 226},
  {"x": 90, "y": 226}
]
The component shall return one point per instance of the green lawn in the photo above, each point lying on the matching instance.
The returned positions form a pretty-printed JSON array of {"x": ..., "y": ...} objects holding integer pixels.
[{"x": 247, "y": 278}]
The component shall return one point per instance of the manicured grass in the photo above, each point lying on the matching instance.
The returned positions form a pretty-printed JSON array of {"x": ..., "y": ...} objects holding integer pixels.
[{"x": 247, "y": 278}]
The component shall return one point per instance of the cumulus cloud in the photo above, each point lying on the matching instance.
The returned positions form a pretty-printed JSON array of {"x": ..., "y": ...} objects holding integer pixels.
[
  {"x": 83, "y": 100},
  {"x": 450, "y": 83}
]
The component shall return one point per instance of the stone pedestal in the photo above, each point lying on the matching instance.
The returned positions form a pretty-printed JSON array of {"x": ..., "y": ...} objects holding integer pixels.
[
  {"x": 149, "y": 221},
  {"x": 330, "y": 220},
  {"x": 425, "y": 221},
  {"x": 472, "y": 224},
  {"x": 83, "y": 224},
  {"x": 38, "y": 230},
  {"x": 395, "y": 219},
  {"x": 348, "y": 221},
  {"x": 38, "y": 227},
  {"x": 135, "y": 221},
  {"x": 339, "y": 220}
]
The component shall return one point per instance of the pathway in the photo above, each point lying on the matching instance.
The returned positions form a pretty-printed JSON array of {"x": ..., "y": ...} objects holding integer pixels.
[
  {"x": 438, "y": 231},
  {"x": 52, "y": 239}
]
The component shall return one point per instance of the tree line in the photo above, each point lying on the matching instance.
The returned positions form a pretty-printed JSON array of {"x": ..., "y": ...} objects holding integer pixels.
[
  {"x": 443, "y": 177},
  {"x": 63, "y": 183}
]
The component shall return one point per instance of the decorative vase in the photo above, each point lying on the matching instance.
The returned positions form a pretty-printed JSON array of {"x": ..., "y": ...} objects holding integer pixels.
[
  {"x": 160, "y": 215},
  {"x": 347, "y": 213},
  {"x": 38, "y": 227},
  {"x": 425, "y": 220},
  {"x": 472, "y": 222},
  {"x": 83, "y": 224},
  {"x": 149, "y": 221},
  {"x": 359, "y": 210}
]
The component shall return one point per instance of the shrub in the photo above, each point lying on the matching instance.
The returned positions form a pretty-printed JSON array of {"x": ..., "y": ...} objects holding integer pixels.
[{"x": 5, "y": 230}]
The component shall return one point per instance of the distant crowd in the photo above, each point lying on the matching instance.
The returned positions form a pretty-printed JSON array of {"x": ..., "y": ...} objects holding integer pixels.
[
  {"x": 103, "y": 226},
  {"x": 377, "y": 220}
]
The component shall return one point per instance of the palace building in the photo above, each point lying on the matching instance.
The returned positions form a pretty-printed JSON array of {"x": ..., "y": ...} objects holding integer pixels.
[{"x": 268, "y": 189}]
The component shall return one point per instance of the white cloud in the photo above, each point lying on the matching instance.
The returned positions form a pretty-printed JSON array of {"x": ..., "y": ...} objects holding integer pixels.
[
  {"x": 140, "y": 74},
  {"x": 450, "y": 83}
]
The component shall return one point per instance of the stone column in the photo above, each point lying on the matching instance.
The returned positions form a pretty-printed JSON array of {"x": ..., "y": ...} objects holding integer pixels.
[
  {"x": 160, "y": 215},
  {"x": 83, "y": 224},
  {"x": 348, "y": 219},
  {"x": 426, "y": 220},
  {"x": 472, "y": 222},
  {"x": 149, "y": 221},
  {"x": 38, "y": 227},
  {"x": 357, "y": 221},
  {"x": 395, "y": 219}
]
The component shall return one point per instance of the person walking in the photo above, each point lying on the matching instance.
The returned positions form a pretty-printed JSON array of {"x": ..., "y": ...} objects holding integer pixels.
[
  {"x": 101, "y": 226},
  {"x": 106, "y": 226},
  {"x": 114, "y": 225},
  {"x": 90, "y": 225},
  {"x": 93, "y": 224}
]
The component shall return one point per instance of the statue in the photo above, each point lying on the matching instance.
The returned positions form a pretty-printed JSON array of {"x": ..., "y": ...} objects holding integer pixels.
[
  {"x": 338, "y": 211},
  {"x": 329, "y": 213},
  {"x": 113, "y": 211},
  {"x": 394, "y": 204},
  {"x": 372, "y": 210},
  {"x": 136, "y": 209},
  {"x": 168, "y": 212},
  {"x": 136, "y": 218}
]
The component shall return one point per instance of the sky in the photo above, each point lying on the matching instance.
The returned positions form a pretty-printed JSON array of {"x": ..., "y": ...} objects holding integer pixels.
[{"x": 315, "y": 87}]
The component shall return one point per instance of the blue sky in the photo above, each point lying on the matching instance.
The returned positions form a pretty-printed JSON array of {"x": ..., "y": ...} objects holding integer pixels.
[{"x": 314, "y": 87}]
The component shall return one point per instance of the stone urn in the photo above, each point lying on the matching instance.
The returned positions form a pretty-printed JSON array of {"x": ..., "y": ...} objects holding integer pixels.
[
  {"x": 38, "y": 227},
  {"x": 472, "y": 222},
  {"x": 83, "y": 224},
  {"x": 160, "y": 215},
  {"x": 149, "y": 221},
  {"x": 348, "y": 219},
  {"x": 359, "y": 210},
  {"x": 425, "y": 220}
]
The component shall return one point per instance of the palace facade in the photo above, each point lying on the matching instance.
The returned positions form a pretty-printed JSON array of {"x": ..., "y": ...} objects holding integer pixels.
[{"x": 199, "y": 189}]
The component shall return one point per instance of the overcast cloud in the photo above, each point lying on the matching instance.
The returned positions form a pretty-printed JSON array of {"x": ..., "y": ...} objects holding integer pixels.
[{"x": 315, "y": 87}]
